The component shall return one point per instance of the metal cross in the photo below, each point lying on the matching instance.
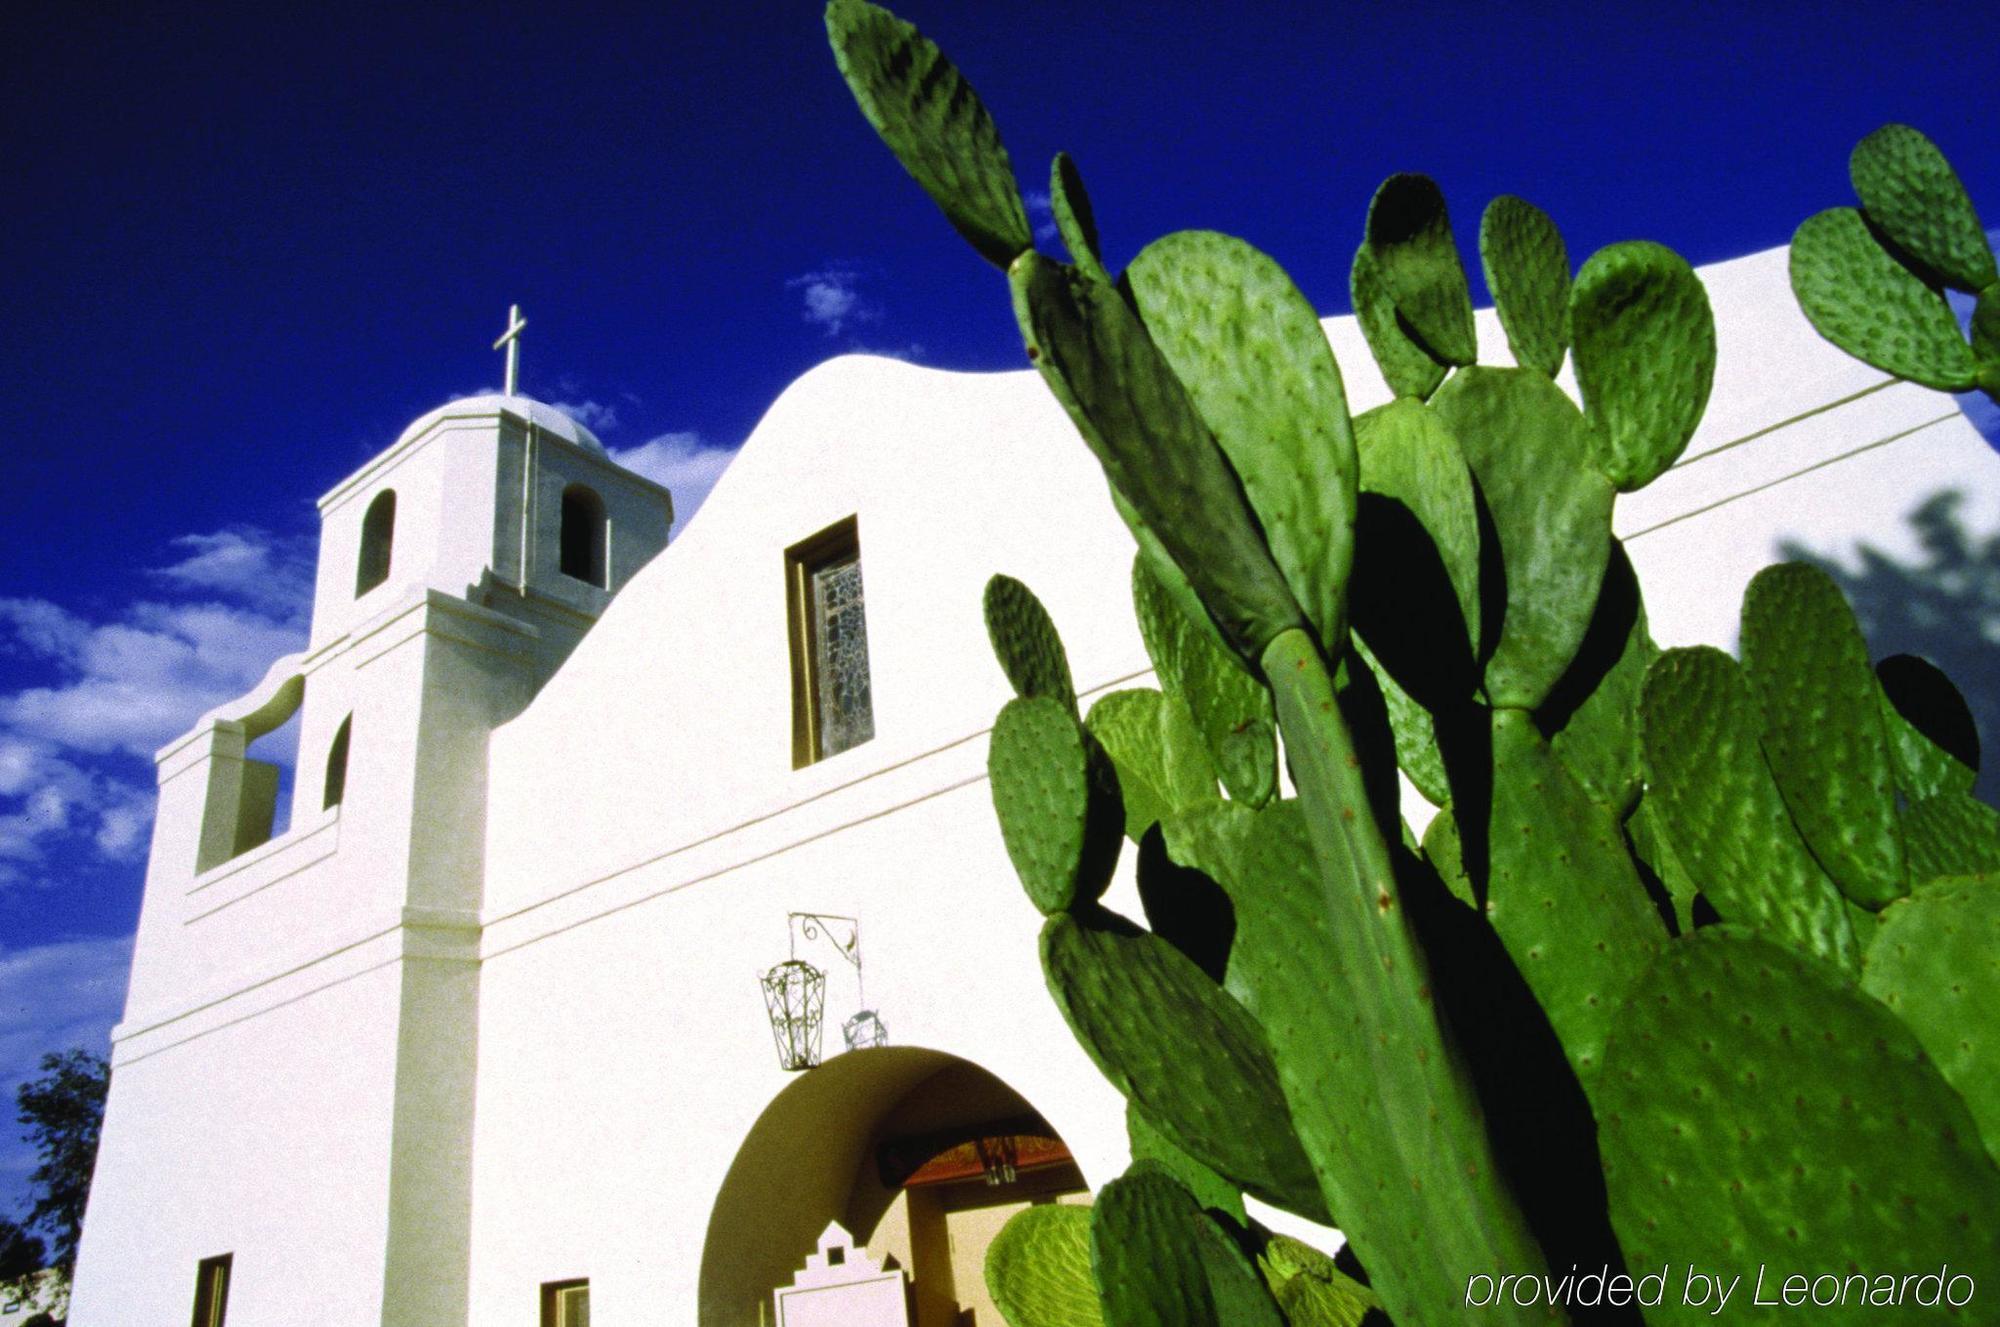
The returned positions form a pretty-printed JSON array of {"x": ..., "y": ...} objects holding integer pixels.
[{"x": 511, "y": 338}]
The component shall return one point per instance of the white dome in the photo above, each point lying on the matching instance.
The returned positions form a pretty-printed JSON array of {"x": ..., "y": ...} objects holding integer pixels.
[{"x": 543, "y": 416}]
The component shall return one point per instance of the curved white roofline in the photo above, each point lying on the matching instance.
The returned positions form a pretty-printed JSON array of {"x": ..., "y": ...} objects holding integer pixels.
[{"x": 541, "y": 415}]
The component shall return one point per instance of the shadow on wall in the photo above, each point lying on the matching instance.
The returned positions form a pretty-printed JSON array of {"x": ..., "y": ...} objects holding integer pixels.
[{"x": 1944, "y": 607}]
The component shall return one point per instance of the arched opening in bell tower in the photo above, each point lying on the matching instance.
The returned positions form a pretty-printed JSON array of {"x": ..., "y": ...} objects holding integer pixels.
[{"x": 378, "y": 535}]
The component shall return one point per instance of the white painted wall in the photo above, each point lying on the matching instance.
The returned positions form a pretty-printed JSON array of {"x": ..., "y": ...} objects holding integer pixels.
[{"x": 619, "y": 859}]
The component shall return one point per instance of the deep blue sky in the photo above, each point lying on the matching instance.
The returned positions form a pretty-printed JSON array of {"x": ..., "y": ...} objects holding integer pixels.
[{"x": 244, "y": 246}]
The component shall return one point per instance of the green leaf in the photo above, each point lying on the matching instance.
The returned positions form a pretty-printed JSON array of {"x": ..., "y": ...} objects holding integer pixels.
[
  {"x": 1038, "y": 1268},
  {"x": 1860, "y": 298},
  {"x": 1410, "y": 237},
  {"x": 1913, "y": 194},
  {"x": 1755, "y": 1108},
  {"x": 1952, "y": 834},
  {"x": 1209, "y": 1189},
  {"x": 1408, "y": 456},
  {"x": 1721, "y": 809},
  {"x": 1408, "y": 368},
  {"x": 1162, "y": 764},
  {"x": 1076, "y": 220},
  {"x": 1252, "y": 355},
  {"x": 935, "y": 124},
  {"x": 1182, "y": 1050},
  {"x": 1026, "y": 643},
  {"x": 1133, "y": 412},
  {"x": 1527, "y": 269},
  {"x": 1822, "y": 725},
  {"x": 1594, "y": 705},
  {"x": 1159, "y": 1259},
  {"x": 1932, "y": 736},
  {"x": 1058, "y": 803},
  {"x": 1645, "y": 358},
  {"x": 1935, "y": 961},
  {"x": 1562, "y": 892},
  {"x": 1529, "y": 448},
  {"x": 1230, "y": 707},
  {"x": 1311, "y": 1288}
]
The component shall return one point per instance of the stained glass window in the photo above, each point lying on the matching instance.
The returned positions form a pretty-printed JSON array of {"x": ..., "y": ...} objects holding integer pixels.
[
  {"x": 832, "y": 708},
  {"x": 840, "y": 657}
]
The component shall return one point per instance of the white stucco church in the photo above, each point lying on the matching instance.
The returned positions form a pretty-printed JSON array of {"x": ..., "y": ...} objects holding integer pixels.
[{"x": 479, "y": 1038}]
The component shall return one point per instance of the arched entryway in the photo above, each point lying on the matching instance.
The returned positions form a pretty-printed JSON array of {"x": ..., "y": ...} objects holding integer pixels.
[{"x": 921, "y": 1155}]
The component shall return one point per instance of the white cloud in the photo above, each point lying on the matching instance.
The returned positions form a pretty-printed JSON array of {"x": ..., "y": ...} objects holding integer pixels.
[
  {"x": 139, "y": 682},
  {"x": 125, "y": 685},
  {"x": 682, "y": 462},
  {"x": 274, "y": 574},
  {"x": 833, "y": 299},
  {"x": 44, "y": 628},
  {"x": 52, "y": 997},
  {"x": 1042, "y": 213},
  {"x": 597, "y": 418}
]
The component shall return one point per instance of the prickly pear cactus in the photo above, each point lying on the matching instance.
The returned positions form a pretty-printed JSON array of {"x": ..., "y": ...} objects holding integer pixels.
[
  {"x": 1873, "y": 279},
  {"x": 1693, "y": 964}
]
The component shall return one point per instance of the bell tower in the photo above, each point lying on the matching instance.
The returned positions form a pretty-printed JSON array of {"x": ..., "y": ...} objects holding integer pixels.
[{"x": 332, "y": 973}]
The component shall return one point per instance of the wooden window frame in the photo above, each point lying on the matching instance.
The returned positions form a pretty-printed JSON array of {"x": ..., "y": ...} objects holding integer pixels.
[
  {"x": 211, "y": 1289},
  {"x": 834, "y": 544},
  {"x": 552, "y": 1292}
]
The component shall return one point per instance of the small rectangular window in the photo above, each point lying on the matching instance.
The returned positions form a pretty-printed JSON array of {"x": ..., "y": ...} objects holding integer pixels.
[
  {"x": 211, "y": 1291},
  {"x": 566, "y": 1303},
  {"x": 831, "y": 706}
]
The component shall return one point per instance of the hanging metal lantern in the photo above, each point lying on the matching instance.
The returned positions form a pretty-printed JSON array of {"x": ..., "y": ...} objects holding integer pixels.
[
  {"x": 864, "y": 1029},
  {"x": 795, "y": 998}
]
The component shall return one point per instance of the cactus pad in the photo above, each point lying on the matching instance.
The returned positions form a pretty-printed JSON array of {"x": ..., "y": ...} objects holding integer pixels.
[
  {"x": 1562, "y": 892},
  {"x": 1408, "y": 456},
  {"x": 1310, "y": 1287},
  {"x": 1935, "y": 961},
  {"x": 1529, "y": 448},
  {"x": 1133, "y": 412},
  {"x": 1860, "y": 298},
  {"x": 1271, "y": 394},
  {"x": 1932, "y": 736},
  {"x": 1408, "y": 368},
  {"x": 1722, "y": 811},
  {"x": 1755, "y": 1108},
  {"x": 1058, "y": 803},
  {"x": 1527, "y": 269},
  {"x": 1152, "y": 740},
  {"x": 1076, "y": 220},
  {"x": 1952, "y": 834},
  {"x": 1911, "y": 192},
  {"x": 1591, "y": 709},
  {"x": 935, "y": 124},
  {"x": 1230, "y": 707},
  {"x": 1209, "y": 1189},
  {"x": 1341, "y": 992},
  {"x": 1644, "y": 355},
  {"x": 1159, "y": 1258},
  {"x": 1026, "y": 643},
  {"x": 1409, "y": 234},
  {"x": 1182, "y": 1050},
  {"x": 1038, "y": 1269},
  {"x": 1823, "y": 734},
  {"x": 1651, "y": 845}
]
